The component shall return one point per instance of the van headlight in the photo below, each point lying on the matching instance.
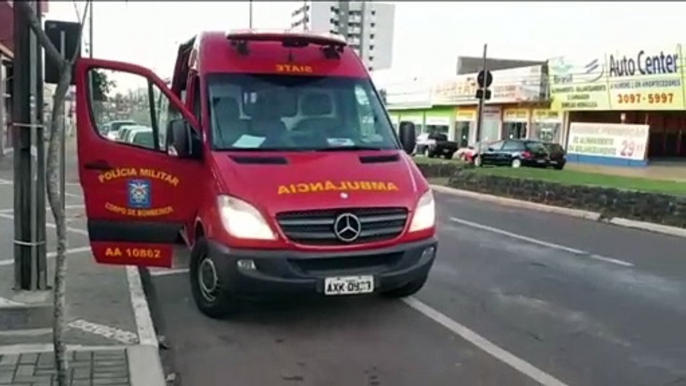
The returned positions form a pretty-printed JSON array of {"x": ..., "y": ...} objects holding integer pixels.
[
  {"x": 425, "y": 214},
  {"x": 243, "y": 220}
]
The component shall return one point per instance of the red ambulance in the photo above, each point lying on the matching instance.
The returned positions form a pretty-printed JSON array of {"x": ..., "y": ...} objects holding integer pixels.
[{"x": 273, "y": 160}]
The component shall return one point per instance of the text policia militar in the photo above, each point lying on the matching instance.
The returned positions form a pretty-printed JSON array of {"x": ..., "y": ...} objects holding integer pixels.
[{"x": 138, "y": 202}]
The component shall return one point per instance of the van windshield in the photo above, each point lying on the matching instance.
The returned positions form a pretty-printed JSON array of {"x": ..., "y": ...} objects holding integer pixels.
[{"x": 296, "y": 113}]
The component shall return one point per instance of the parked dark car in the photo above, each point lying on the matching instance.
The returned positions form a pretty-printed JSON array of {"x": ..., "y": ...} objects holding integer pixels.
[
  {"x": 436, "y": 145},
  {"x": 520, "y": 152}
]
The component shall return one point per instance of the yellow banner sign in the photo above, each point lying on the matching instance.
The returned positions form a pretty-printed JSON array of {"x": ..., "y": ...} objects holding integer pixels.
[
  {"x": 646, "y": 79},
  {"x": 545, "y": 115},
  {"x": 578, "y": 84},
  {"x": 516, "y": 115}
]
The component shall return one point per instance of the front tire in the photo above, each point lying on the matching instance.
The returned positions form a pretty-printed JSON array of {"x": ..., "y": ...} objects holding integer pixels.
[
  {"x": 408, "y": 289},
  {"x": 208, "y": 283}
]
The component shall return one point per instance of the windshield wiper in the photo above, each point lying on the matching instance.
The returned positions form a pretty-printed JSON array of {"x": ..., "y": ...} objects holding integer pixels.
[{"x": 345, "y": 148}]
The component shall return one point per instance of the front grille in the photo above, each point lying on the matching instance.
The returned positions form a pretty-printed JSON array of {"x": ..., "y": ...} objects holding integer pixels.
[{"x": 316, "y": 227}]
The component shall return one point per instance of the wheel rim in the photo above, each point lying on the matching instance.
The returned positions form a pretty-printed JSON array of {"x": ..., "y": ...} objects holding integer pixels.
[
  {"x": 207, "y": 279},
  {"x": 516, "y": 163}
]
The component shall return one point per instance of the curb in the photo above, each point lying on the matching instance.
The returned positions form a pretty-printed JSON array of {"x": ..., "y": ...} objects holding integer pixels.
[
  {"x": 145, "y": 363},
  {"x": 594, "y": 216}
]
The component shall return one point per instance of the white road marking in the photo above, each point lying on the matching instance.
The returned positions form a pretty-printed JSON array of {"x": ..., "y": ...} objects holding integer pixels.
[
  {"x": 7, "y": 262},
  {"x": 49, "y": 225},
  {"x": 542, "y": 243},
  {"x": 484, "y": 344},
  {"x": 8, "y": 210},
  {"x": 122, "y": 336},
  {"x": 166, "y": 272},
  {"x": 141, "y": 310},
  {"x": 9, "y": 303},
  {"x": 27, "y": 332}
]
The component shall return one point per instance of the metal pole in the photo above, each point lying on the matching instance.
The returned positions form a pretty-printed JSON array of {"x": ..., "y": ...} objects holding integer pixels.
[
  {"x": 3, "y": 112},
  {"x": 306, "y": 16},
  {"x": 250, "y": 9},
  {"x": 21, "y": 136},
  {"x": 480, "y": 113},
  {"x": 90, "y": 29},
  {"x": 63, "y": 139},
  {"x": 40, "y": 204}
]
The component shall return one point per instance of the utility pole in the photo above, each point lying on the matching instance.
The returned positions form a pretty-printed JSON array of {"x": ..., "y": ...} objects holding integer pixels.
[
  {"x": 39, "y": 174},
  {"x": 29, "y": 248},
  {"x": 90, "y": 28},
  {"x": 480, "y": 112},
  {"x": 250, "y": 13},
  {"x": 306, "y": 15}
]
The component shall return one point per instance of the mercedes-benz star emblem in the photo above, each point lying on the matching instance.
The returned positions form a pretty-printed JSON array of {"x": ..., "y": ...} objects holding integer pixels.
[{"x": 347, "y": 227}]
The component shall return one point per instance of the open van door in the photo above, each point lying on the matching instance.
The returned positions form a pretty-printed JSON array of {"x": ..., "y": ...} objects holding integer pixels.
[{"x": 138, "y": 195}]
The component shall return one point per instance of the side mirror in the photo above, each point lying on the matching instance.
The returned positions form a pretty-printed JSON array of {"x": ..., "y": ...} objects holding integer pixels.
[
  {"x": 408, "y": 137},
  {"x": 489, "y": 148},
  {"x": 180, "y": 139}
]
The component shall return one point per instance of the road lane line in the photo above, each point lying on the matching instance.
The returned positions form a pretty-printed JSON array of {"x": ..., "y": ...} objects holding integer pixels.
[
  {"x": 167, "y": 272},
  {"x": 484, "y": 344},
  {"x": 541, "y": 242},
  {"x": 8, "y": 210},
  {"x": 7, "y": 262},
  {"x": 49, "y": 225}
]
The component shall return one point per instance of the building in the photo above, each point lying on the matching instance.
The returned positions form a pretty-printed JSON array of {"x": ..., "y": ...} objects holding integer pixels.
[
  {"x": 471, "y": 64},
  {"x": 367, "y": 26},
  {"x": 624, "y": 90},
  {"x": 519, "y": 106}
]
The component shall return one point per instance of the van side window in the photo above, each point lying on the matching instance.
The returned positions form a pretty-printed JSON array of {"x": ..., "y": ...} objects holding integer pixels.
[
  {"x": 197, "y": 109},
  {"x": 165, "y": 114},
  {"x": 129, "y": 110}
]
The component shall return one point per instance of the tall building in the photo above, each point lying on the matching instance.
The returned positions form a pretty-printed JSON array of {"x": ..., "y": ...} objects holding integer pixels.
[{"x": 367, "y": 26}]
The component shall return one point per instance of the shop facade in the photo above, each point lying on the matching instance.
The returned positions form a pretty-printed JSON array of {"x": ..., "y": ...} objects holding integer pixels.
[
  {"x": 623, "y": 89},
  {"x": 518, "y": 108}
]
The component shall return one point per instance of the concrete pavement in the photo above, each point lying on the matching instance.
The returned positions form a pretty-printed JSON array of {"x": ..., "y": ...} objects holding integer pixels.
[
  {"x": 110, "y": 336},
  {"x": 517, "y": 297}
]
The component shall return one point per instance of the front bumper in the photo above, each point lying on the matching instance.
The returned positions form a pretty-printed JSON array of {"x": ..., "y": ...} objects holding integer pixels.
[{"x": 285, "y": 273}]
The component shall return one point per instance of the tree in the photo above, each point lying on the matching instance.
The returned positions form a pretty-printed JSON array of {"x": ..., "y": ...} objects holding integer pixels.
[
  {"x": 56, "y": 127},
  {"x": 101, "y": 86}
]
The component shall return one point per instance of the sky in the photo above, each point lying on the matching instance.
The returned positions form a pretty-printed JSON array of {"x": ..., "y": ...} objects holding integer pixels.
[{"x": 428, "y": 36}]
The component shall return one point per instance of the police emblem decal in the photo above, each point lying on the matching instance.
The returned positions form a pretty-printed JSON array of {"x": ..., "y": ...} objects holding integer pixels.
[{"x": 139, "y": 194}]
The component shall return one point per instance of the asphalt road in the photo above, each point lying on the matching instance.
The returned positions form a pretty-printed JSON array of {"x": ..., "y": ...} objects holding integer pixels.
[{"x": 516, "y": 298}]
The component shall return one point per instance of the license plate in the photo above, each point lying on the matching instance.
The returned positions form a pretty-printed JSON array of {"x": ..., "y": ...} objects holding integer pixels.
[
  {"x": 348, "y": 285},
  {"x": 540, "y": 161}
]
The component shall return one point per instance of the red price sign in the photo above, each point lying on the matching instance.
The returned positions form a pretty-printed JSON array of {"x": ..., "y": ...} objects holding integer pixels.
[{"x": 629, "y": 148}]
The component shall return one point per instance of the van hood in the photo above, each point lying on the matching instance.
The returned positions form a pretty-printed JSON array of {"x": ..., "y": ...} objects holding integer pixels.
[{"x": 278, "y": 182}]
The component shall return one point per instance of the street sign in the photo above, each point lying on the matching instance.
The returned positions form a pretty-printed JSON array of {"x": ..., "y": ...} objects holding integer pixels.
[
  {"x": 484, "y": 79},
  {"x": 64, "y": 35},
  {"x": 485, "y": 94}
]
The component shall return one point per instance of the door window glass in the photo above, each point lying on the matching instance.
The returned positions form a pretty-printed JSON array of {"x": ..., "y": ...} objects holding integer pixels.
[{"x": 128, "y": 109}]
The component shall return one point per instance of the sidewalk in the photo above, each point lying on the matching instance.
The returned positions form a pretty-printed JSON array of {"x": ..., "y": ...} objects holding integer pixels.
[{"x": 110, "y": 336}]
